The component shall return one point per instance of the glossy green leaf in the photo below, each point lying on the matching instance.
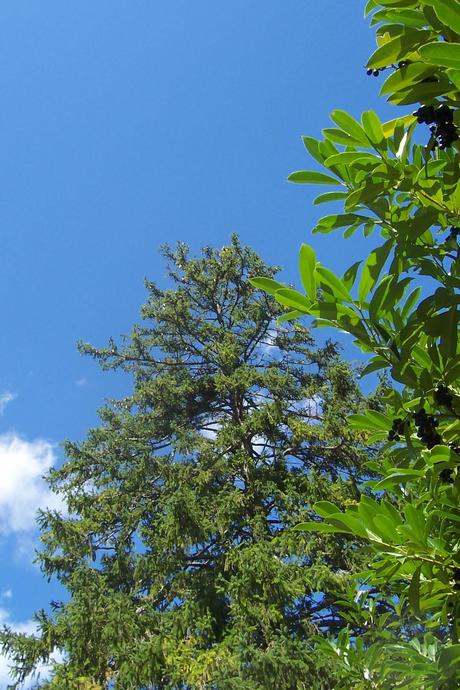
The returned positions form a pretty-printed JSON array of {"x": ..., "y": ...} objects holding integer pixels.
[
  {"x": 266, "y": 284},
  {"x": 449, "y": 332},
  {"x": 350, "y": 157},
  {"x": 452, "y": 374},
  {"x": 452, "y": 432},
  {"x": 448, "y": 12},
  {"x": 416, "y": 521},
  {"x": 449, "y": 658},
  {"x": 412, "y": 18},
  {"x": 397, "y": 48},
  {"x": 396, "y": 293},
  {"x": 348, "y": 522},
  {"x": 349, "y": 125},
  {"x": 370, "y": 5},
  {"x": 371, "y": 421},
  {"x": 399, "y": 477},
  {"x": 431, "y": 169},
  {"x": 307, "y": 262},
  {"x": 293, "y": 299},
  {"x": 373, "y": 128},
  {"x": 313, "y": 147},
  {"x": 376, "y": 364},
  {"x": 442, "y": 453},
  {"x": 332, "y": 310},
  {"x": 338, "y": 136},
  {"x": 312, "y": 177},
  {"x": 372, "y": 269},
  {"x": 335, "y": 283},
  {"x": 325, "y": 508},
  {"x": 425, "y": 91},
  {"x": 386, "y": 528},
  {"x": 405, "y": 77},
  {"x": 410, "y": 303},
  {"x": 320, "y": 527},
  {"x": 368, "y": 192},
  {"x": 329, "y": 196},
  {"x": 442, "y": 54},
  {"x": 350, "y": 274},
  {"x": 338, "y": 220},
  {"x": 404, "y": 4},
  {"x": 378, "y": 298},
  {"x": 390, "y": 126},
  {"x": 414, "y": 591},
  {"x": 289, "y": 316},
  {"x": 454, "y": 76}
]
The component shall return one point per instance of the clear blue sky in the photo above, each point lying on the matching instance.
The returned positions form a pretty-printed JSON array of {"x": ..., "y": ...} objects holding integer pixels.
[{"x": 126, "y": 124}]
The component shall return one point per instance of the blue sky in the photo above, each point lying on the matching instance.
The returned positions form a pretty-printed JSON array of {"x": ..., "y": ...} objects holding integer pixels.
[{"x": 124, "y": 125}]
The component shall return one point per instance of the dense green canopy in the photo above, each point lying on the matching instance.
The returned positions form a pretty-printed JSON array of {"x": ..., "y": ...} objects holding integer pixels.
[{"x": 175, "y": 552}]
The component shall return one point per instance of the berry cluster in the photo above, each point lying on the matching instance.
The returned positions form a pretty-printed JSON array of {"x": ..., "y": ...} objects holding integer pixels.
[
  {"x": 426, "y": 428},
  {"x": 446, "y": 475},
  {"x": 443, "y": 396},
  {"x": 376, "y": 72},
  {"x": 397, "y": 430},
  {"x": 441, "y": 119}
]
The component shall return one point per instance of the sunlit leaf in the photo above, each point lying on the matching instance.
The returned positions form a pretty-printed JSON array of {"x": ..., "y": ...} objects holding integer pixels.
[
  {"x": 398, "y": 48},
  {"x": 312, "y": 177},
  {"x": 448, "y": 12},
  {"x": 293, "y": 299},
  {"x": 266, "y": 284},
  {"x": 307, "y": 262},
  {"x": 349, "y": 125},
  {"x": 335, "y": 283},
  {"x": 442, "y": 54}
]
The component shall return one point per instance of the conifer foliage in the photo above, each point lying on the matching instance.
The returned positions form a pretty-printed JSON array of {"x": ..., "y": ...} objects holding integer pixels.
[{"x": 180, "y": 568}]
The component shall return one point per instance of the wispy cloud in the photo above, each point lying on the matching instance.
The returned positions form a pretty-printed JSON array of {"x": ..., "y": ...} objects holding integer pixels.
[
  {"x": 5, "y": 398},
  {"x": 22, "y": 487},
  {"x": 83, "y": 381}
]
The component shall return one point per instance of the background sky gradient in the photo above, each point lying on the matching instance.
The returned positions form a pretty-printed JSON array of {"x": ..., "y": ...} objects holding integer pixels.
[{"x": 125, "y": 125}]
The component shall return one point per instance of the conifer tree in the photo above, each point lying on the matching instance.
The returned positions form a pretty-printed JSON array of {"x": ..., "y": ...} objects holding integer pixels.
[{"x": 176, "y": 550}]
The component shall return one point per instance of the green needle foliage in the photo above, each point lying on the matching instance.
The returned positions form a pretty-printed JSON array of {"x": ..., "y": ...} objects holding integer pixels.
[
  {"x": 176, "y": 551},
  {"x": 401, "y": 305}
]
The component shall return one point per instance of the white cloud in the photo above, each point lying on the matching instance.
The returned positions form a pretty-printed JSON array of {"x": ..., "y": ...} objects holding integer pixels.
[
  {"x": 22, "y": 487},
  {"x": 5, "y": 398},
  {"x": 6, "y": 594},
  {"x": 29, "y": 628},
  {"x": 83, "y": 381}
]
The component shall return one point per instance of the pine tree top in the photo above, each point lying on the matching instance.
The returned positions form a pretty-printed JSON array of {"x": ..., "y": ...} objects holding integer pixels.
[{"x": 177, "y": 552}]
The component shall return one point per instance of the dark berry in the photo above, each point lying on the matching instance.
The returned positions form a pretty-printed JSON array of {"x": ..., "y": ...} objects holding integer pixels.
[
  {"x": 443, "y": 396},
  {"x": 446, "y": 475},
  {"x": 369, "y": 72},
  {"x": 444, "y": 114}
]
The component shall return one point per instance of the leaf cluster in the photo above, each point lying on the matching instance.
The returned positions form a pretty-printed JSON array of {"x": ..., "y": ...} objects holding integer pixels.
[{"x": 400, "y": 305}]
